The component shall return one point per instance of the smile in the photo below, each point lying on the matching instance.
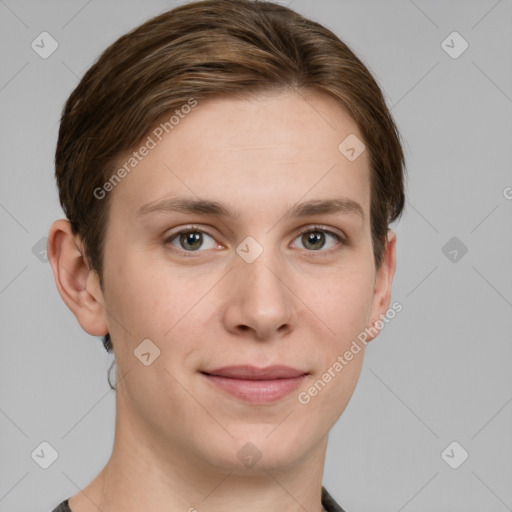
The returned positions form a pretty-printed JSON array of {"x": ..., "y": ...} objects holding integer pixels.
[{"x": 255, "y": 385}]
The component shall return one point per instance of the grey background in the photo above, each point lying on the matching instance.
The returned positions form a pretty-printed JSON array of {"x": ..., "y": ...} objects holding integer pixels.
[{"x": 439, "y": 372}]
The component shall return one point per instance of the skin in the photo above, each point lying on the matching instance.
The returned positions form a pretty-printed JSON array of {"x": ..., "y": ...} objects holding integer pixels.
[{"x": 300, "y": 304}]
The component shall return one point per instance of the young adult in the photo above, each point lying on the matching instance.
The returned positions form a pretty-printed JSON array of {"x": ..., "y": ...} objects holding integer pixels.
[{"x": 229, "y": 171}]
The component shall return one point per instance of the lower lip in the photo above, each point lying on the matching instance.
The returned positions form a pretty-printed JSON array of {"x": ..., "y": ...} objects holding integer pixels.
[{"x": 257, "y": 391}]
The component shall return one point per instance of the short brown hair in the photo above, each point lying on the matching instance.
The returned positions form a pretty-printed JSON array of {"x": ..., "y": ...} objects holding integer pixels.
[{"x": 203, "y": 49}]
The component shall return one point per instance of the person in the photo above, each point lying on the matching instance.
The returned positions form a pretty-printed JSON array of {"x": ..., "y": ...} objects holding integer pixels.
[{"x": 229, "y": 172}]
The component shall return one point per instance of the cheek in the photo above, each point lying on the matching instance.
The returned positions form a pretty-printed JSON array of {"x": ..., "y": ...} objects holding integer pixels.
[
  {"x": 342, "y": 302},
  {"x": 345, "y": 306},
  {"x": 134, "y": 297},
  {"x": 156, "y": 301}
]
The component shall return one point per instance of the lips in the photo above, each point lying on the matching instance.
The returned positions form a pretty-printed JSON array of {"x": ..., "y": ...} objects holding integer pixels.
[
  {"x": 247, "y": 372},
  {"x": 256, "y": 385}
]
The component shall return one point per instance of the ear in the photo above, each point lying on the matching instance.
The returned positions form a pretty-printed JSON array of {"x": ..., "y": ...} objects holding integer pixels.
[
  {"x": 383, "y": 282},
  {"x": 77, "y": 284}
]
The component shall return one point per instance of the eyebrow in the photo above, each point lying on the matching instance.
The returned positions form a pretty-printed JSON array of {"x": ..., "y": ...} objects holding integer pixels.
[{"x": 204, "y": 206}]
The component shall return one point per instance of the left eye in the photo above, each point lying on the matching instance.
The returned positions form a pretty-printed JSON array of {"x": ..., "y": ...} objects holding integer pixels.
[
  {"x": 192, "y": 240},
  {"x": 314, "y": 239}
]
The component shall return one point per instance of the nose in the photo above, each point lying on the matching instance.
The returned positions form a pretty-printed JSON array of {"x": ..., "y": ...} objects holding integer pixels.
[{"x": 259, "y": 300}]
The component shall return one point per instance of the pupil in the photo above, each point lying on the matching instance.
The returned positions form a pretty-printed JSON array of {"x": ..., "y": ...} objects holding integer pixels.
[
  {"x": 188, "y": 239},
  {"x": 315, "y": 237}
]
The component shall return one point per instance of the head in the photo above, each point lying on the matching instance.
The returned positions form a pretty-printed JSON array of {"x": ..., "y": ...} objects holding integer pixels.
[{"x": 248, "y": 110}]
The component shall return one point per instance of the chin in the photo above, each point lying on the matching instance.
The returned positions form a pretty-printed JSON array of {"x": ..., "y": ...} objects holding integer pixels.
[{"x": 259, "y": 448}]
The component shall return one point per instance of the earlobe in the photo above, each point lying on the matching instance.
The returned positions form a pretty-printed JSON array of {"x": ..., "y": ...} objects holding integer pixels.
[
  {"x": 77, "y": 284},
  {"x": 383, "y": 283}
]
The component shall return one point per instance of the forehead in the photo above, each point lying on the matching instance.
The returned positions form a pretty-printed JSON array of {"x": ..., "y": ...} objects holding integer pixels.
[
  {"x": 289, "y": 125},
  {"x": 253, "y": 152}
]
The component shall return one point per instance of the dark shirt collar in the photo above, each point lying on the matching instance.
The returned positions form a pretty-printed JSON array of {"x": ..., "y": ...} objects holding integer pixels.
[{"x": 328, "y": 503}]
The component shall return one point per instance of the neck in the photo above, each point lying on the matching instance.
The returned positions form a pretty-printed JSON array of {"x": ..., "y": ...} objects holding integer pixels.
[{"x": 146, "y": 472}]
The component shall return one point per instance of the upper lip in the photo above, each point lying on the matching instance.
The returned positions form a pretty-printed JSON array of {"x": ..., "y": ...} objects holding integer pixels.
[{"x": 248, "y": 372}]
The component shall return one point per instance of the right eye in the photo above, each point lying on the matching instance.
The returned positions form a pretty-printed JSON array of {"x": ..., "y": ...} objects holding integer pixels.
[{"x": 190, "y": 239}]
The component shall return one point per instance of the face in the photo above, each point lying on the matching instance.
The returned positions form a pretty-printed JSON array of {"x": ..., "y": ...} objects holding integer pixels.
[{"x": 249, "y": 279}]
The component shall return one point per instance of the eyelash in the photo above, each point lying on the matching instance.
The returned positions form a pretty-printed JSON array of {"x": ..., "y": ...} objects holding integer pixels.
[{"x": 312, "y": 229}]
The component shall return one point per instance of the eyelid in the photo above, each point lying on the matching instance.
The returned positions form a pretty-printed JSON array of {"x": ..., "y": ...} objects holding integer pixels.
[{"x": 326, "y": 229}]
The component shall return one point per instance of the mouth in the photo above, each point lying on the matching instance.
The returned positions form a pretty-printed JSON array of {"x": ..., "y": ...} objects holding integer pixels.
[{"x": 256, "y": 385}]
